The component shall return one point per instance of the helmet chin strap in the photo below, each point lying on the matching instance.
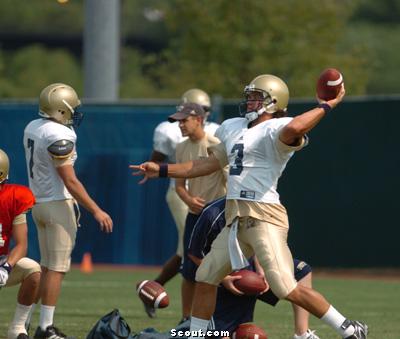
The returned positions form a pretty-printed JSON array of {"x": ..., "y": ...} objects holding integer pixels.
[
  {"x": 270, "y": 109},
  {"x": 251, "y": 116}
]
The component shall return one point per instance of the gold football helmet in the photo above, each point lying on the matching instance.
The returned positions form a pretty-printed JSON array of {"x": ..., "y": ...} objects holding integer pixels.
[
  {"x": 197, "y": 96},
  {"x": 59, "y": 102},
  {"x": 4, "y": 166},
  {"x": 274, "y": 91}
]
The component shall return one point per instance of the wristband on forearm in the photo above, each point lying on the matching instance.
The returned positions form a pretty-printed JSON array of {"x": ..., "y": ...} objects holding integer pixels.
[
  {"x": 163, "y": 172},
  {"x": 326, "y": 107},
  {"x": 7, "y": 267}
]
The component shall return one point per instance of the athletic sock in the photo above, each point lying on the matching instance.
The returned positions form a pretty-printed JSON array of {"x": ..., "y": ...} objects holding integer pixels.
[
  {"x": 28, "y": 319},
  {"x": 21, "y": 313},
  {"x": 334, "y": 319},
  {"x": 197, "y": 325},
  {"x": 46, "y": 316}
]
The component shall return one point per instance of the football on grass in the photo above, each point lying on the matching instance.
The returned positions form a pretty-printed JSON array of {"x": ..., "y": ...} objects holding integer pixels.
[
  {"x": 152, "y": 293},
  {"x": 249, "y": 331},
  {"x": 250, "y": 282},
  {"x": 329, "y": 83}
]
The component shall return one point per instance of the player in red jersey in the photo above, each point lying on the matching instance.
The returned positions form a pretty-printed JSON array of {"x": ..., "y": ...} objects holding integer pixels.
[{"x": 15, "y": 268}]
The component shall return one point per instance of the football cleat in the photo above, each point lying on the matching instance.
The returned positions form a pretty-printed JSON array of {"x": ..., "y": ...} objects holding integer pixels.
[
  {"x": 311, "y": 335},
  {"x": 183, "y": 320},
  {"x": 360, "y": 329},
  {"x": 23, "y": 336},
  {"x": 308, "y": 335},
  {"x": 51, "y": 332},
  {"x": 150, "y": 311}
]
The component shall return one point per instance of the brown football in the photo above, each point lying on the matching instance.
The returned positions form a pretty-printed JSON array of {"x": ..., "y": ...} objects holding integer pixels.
[
  {"x": 329, "y": 83},
  {"x": 152, "y": 293},
  {"x": 249, "y": 331},
  {"x": 250, "y": 282}
]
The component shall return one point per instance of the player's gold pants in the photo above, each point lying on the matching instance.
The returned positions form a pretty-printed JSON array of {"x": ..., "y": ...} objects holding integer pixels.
[{"x": 267, "y": 241}]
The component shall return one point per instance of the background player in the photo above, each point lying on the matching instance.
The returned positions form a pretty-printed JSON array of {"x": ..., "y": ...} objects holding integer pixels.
[
  {"x": 165, "y": 138},
  {"x": 195, "y": 192},
  {"x": 15, "y": 268},
  {"x": 50, "y": 156}
]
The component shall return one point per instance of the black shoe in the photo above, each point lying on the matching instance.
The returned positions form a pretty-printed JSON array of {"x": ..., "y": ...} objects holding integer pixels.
[
  {"x": 360, "y": 329},
  {"x": 51, "y": 332},
  {"x": 151, "y": 311},
  {"x": 22, "y": 336},
  {"x": 183, "y": 320}
]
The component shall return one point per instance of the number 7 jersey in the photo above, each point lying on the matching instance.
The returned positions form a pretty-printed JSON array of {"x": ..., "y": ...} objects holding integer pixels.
[
  {"x": 44, "y": 180},
  {"x": 256, "y": 158}
]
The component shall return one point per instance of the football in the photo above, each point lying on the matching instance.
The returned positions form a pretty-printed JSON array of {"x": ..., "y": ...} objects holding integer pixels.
[
  {"x": 329, "y": 83},
  {"x": 250, "y": 283},
  {"x": 249, "y": 331},
  {"x": 152, "y": 293}
]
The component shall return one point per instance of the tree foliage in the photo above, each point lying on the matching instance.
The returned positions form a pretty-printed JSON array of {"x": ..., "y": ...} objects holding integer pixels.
[
  {"x": 41, "y": 17},
  {"x": 217, "y": 45},
  {"x": 380, "y": 12},
  {"x": 221, "y": 45},
  {"x": 31, "y": 69}
]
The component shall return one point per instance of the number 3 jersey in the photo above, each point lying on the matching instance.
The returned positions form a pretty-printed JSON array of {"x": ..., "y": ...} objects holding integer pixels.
[
  {"x": 256, "y": 158},
  {"x": 44, "y": 180},
  {"x": 14, "y": 200}
]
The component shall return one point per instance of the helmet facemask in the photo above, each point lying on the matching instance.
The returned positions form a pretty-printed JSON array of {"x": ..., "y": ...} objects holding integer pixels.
[
  {"x": 76, "y": 117},
  {"x": 266, "y": 104}
]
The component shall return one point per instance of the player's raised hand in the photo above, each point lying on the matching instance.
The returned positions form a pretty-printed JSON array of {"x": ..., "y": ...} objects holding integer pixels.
[
  {"x": 148, "y": 170},
  {"x": 335, "y": 101}
]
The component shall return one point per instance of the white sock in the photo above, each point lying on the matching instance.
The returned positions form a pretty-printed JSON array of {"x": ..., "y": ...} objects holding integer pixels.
[
  {"x": 196, "y": 325},
  {"x": 21, "y": 313},
  {"x": 335, "y": 320},
  {"x": 46, "y": 316},
  {"x": 28, "y": 319}
]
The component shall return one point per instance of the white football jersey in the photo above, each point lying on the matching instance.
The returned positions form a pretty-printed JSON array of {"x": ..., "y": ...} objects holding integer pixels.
[
  {"x": 211, "y": 127},
  {"x": 256, "y": 157},
  {"x": 165, "y": 138},
  {"x": 167, "y": 135},
  {"x": 44, "y": 180}
]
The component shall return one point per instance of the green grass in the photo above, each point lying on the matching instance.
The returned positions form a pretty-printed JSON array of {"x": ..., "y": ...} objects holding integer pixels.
[{"x": 85, "y": 298}]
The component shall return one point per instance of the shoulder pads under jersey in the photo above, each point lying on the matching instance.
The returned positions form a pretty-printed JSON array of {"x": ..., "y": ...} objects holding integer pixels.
[{"x": 61, "y": 148}]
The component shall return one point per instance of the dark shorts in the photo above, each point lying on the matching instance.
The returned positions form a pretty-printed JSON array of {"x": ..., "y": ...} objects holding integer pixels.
[
  {"x": 301, "y": 269},
  {"x": 232, "y": 310},
  {"x": 188, "y": 268}
]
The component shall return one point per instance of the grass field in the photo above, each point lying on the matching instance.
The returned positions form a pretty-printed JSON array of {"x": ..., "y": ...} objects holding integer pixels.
[{"x": 87, "y": 297}]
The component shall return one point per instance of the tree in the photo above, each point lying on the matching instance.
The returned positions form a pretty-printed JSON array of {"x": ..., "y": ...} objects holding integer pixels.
[
  {"x": 32, "y": 68},
  {"x": 220, "y": 45}
]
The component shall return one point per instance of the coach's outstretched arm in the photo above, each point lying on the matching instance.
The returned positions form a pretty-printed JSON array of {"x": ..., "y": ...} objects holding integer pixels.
[
  {"x": 190, "y": 169},
  {"x": 303, "y": 123}
]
